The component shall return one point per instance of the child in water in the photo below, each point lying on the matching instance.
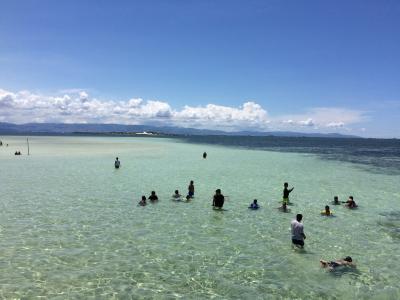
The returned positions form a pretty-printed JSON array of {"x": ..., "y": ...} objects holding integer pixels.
[
  {"x": 327, "y": 211},
  {"x": 336, "y": 200},
  {"x": 176, "y": 195},
  {"x": 254, "y": 205},
  {"x": 143, "y": 201},
  {"x": 218, "y": 199},
  {"x": 286, "y": 193}
]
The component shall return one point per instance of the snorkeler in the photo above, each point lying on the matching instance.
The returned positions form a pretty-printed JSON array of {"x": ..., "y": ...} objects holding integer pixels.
[
  {"x": 350, "y": 203},
  {"x": 117, "y": 163},
  {"x": 286, "y": 193},
  {"x": 153, "y": 196},
  {"x": 336, "y": 200},
  {"x": 345, "y": 262},
  {"x": 143, "y": 201},
  {"x": 327, "y": 211},
  {"x": 218, "y": 199},
  {"x": 298, "y": 235},
  {"x": 254, "y": 205},
  {"x": 191, "y": 189}
]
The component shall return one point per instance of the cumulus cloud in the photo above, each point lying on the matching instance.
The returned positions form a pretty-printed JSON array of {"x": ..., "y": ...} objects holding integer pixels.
[{"x": 77, "y": 106}]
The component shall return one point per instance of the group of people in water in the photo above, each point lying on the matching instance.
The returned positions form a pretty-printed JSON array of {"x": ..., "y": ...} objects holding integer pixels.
[{"x": 297, "y": 228}]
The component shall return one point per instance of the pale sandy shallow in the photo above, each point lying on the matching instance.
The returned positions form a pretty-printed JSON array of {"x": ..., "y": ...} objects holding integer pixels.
[{"x": 70, "y": 227}]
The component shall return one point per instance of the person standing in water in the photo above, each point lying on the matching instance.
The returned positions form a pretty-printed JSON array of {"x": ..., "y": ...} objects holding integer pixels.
[
  {"x": 286, "y": 193},
  {"x": 205, "y": 155},
  {"x": 117, "y": 163},
  {"x": 298, "y": 235},
  {"x": 191, "y": 189},
  {"x": 218, "y": 199}
]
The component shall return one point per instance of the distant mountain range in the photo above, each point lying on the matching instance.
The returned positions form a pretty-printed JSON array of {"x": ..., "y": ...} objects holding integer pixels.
[{"x": 68, "y": 129}]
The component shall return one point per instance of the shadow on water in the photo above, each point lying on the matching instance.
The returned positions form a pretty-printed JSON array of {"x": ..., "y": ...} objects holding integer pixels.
[
  {"x": 340, "y": 271},
  {"x": 390, "y": 223},
  {"x": 374, "y": 155}
]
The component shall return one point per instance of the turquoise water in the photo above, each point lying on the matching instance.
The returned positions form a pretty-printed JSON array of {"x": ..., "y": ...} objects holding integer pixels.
[{"x": 70, "y": 226}]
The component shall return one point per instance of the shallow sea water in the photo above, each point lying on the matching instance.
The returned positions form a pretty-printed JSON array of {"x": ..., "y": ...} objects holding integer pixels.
[{"x": 70, "y": 226}]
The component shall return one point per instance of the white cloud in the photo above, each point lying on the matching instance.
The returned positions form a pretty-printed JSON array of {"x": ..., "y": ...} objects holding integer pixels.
[{"x": 77, "y": 106}]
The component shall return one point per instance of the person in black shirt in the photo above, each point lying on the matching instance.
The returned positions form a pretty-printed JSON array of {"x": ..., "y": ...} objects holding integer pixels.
[
  {"x": 153, "y": 196},
  {"x": 218, "y": 199},
  {"x": 286, "y": 193}
]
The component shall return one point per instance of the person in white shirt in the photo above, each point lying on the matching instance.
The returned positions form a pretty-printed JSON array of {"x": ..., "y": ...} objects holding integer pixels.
[{"x": 298, "y": 235}]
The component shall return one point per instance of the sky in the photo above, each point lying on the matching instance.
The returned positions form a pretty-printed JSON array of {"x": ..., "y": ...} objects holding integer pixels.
[{"x": 304, "y": 66}]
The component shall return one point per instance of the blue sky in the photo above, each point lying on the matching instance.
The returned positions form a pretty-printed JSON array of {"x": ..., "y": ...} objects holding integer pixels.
[{"x": 312, "y": 66}]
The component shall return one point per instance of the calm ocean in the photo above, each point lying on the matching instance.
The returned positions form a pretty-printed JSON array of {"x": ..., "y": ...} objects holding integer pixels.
[{"x": 70, "y": 226}]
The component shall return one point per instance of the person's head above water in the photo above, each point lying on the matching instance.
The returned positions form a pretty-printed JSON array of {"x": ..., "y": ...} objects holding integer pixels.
[
  {"x": 116, "y": 158},
  {"x": 143, "y": 198},
  {"x": 255, "y": 201},
  {"x": 153, "y": 193},
  {"x": 351, "y": 198},
  {"x": 285, "y": 184},
  {"x": 176, "y": 192},
  {"x": 299, "y": 217},
  {"x": 191, "y": 182},
  {"x": 348, "y": 259},
  {"x": 327, "y": 208},
  {"x": 218, "y": 191},
  {"x": 336, "y": 199}
]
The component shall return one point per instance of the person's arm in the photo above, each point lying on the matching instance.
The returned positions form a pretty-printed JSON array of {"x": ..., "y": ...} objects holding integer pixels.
[
  {"x": 213, "y": 204},
  {"x": 291, "y": 190},
  {"x": 302, "y": 233}
]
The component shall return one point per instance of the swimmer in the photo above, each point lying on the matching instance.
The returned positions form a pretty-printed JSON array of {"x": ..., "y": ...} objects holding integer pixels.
[
  {"x": 286, "y": 193},
  {"x": 284, "y": 208},
  {"x": 191, "y": 189},
  {"x": 336, "y": 200},
  {"x": 218, "y": 199},
  {"x": 345, "y": 262},
  {"x": 176, "y": 195},
  {"x": 327, "y": 211},
  {"x": 205, "y": 155},
  {"x": 254, "y": 205},
  {"x": 117, "y": 163},
  {"x": 350, "y": 203},
  {"x": 153, "y": 196},
  {"x": 143, "y": 201}
]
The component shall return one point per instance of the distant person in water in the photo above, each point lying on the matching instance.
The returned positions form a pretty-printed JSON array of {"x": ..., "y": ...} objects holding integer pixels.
[
  {"x": 327, "y": 211},
  {"x": 254, "y": 205},
  {"x": 218, "y": 199},
  {"x": 191, "y": 189},
  {"x": 298, "y": 235},
  {"x": 350, "y": 203},
  {"x": 336, "y": 200},
  {"x": 153, "y": 196},
  {"x": 117, "y": 163},
  {"x": 284, "y": 208},
  {"x": 205, "y": 155},
  {"x": 143, "y": 201},
  {"x": 176, "y": 195},
  {"x": 286, "y": 193},
  {"x": 345, "y": 262}
]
